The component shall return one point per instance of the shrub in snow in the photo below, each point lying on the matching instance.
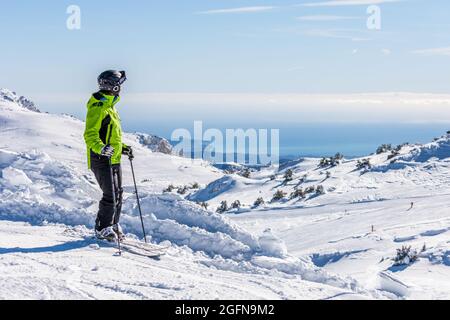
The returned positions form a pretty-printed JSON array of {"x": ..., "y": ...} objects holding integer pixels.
[
  {"x": 339, "y": 156},
  {"x": 364, "y": 164},
  {"x": 405, "y": 256},
  {"x": 273, "y": 177},
  {"x": 236, "y": 205},
  {"x": 289, "y": 175},
  {"x": 324, "y": 162},
  {"x": 393, "y": 154},
  {"x": 245, "y": 173},
  {"x": 331, "y": 162},
  {"x": 204, "y": 205},
  {"x": 259, "y": 202},
  {"x": 320, "y": 190},
  {"x": 169, "y": 189},
  {"x": 384, "y": 148},
  {"x": 183, "y": 190},
  {"x": 299, "y": 193},
  {"x": 310, "y": 190},
  {"x": 279, "y": 195},
  {"x": 223, "y": 207},
  {"x": 328, "y": 173},
  {"x": 195, "y": 185}
]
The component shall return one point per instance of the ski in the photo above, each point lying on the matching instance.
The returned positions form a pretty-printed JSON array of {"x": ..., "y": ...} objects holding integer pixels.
[{"x": 141, "y": 249}]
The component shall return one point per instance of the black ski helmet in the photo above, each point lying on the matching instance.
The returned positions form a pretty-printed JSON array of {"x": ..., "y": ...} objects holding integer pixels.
[{"x": 111, "y": 80}]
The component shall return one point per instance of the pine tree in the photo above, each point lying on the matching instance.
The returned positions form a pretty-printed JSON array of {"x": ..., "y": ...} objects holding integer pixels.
[
  {"x": 259, "y": 202},
  {"x": 289, "y": 175},
  {"x": 223, "y": 207}
]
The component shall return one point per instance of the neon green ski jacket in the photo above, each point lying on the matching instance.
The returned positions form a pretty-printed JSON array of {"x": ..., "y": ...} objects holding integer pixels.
[{"x": 103, "y": 127}]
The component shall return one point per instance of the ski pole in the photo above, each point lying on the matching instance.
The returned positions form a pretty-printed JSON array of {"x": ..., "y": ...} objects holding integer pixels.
[
  {"x": 138, "y": 200},
  {"x": 115, "y": 203}
]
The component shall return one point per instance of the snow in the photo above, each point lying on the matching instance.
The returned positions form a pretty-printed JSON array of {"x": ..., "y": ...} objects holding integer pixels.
[{"x": 338, "y": 245}]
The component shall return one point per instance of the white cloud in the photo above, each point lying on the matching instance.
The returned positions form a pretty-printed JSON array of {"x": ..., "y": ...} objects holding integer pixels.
[
  {"x": 336, "y": 3},
  {"x": 336, "y": 34},
  {"x": 386, "y": 52},
  {"x": 326, "y": 18},
  {"x": 364, "y": 107},
  {"x": 238, "y": 10},
  {"x": 433, "y": 52}
]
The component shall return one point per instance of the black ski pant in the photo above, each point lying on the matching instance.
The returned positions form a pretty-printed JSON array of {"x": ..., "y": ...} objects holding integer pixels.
[{"x": 105, "y": 216}]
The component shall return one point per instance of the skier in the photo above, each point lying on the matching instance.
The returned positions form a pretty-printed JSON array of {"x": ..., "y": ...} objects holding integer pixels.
[{"x": 103, "y": 137}]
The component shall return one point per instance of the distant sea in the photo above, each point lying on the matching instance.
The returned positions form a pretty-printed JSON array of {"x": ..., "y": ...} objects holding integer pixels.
[{"x": 350, "y": 139}]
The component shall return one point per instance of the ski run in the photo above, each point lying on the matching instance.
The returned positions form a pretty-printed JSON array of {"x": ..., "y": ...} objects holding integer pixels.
[{"x": 336, "y": 241}]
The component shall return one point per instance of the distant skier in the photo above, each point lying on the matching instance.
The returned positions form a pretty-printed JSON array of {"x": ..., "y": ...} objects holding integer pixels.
[
  {"x": 412, "y": 206},
  {"x": 103, "y": 137}
]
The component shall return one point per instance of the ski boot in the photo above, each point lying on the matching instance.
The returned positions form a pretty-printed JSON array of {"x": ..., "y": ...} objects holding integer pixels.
[{"x": 107, "y": 234}]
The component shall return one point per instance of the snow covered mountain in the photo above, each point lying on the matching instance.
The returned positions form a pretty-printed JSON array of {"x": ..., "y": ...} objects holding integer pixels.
[{"x": 334, "y": 244}]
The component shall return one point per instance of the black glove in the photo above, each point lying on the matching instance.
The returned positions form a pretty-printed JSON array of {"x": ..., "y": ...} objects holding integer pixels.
[
  {"x": 128, "y": 151},
  {"x": 107, "y": 151}
]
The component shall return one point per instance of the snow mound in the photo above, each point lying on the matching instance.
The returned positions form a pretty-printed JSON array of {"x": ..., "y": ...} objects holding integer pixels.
[
  {"x": 155, "y": 143},
  {"x": 273, "y": 245},
  {"x": 10, "y": 96},
  {"x": 35, "y": 188},
  {"x": 439, "y": 149},
  {"x": 214, "y": 189}
]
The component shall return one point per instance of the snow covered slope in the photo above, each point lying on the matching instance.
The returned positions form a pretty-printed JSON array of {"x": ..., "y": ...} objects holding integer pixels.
[
  {"x": 364, "y": 216},
  {"x": 48, "y": 202}
]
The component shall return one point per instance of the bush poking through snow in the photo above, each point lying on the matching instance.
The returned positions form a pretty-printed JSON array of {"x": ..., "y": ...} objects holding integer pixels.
[
  {"x": 320, "y": 190},
  {"x": 299, "y": 193},
  {"x": 236, "y": 205},
  {"x": 273, "y": 177},
  {"x": 195, "y": 186},
  {"x": 204, "y": 205},
  {"x": 405, "y": 256},
  {"x": 259, "y": 202},
  {"x": 384, "y": 148},
  {"x": 223, "y": 207},
  {"x": 169, "y": 189},
  {"x": 331, "y": 162},
  {"x": 310, "y": 190},
  {"x": 279, "y": 195},
  {"x": 183, "y": 190},
  {"x": 246, "y": 173},
  {"x": 289, "y": 175},
  {"x": 364, "y": 164}
]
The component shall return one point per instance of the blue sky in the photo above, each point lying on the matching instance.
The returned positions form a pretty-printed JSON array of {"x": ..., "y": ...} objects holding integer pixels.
[{"x": 233, "y": 54}]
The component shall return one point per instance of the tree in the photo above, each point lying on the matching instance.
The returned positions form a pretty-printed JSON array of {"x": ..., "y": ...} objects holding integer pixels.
[
  {"x": 236, "y": 205},
  {"x": 223, "y": 207},
  {"x": 195, "y": 185},
  {"x": 288, "y": 175},
  {"x": 299, "y": 193},
  {"x": 310, "y": 190},
  {"x": 320, "y": 190},
  {"x": 279, "y": 195},
  {"x": 246, "y": 173},
  {"x": 169, "y": 189},
  {"x": 259, "y": 202},
  {"x": 273, "y": 177},
  {"x": 183, "y": 190},
  {"x": 364, "y": 164},
  {"x": 384, "y": 148},
  {"x": 405, "y": 256},
  {"x": 328, "y": 173},
  {"x": 204, "y": 205}
]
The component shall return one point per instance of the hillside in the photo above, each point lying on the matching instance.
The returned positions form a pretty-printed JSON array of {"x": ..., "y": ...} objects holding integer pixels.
[{"x": 335, "y": 245}]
